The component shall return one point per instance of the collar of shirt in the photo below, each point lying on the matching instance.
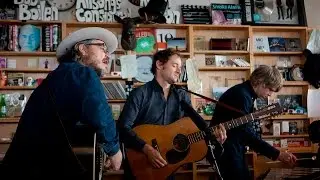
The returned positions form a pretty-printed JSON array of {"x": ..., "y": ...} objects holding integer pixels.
[
  {"x": 157, "y": 86},
  {"x": 251, "y": 90}
]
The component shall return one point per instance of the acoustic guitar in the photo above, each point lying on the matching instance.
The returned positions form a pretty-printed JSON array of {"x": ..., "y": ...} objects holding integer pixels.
[
  {"x": 181, "y": 142},
  {"x": 89, "y": 151}
]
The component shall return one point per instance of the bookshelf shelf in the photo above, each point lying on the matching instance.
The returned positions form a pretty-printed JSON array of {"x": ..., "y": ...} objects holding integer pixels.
[
  {"x": 17, "y": 88},
  {"x": 224, "y": 68},
  {"x": 291, "y": 117},
  {"x": 19, "y": 53},
  {"x": 179, "y": 84},
  {"x": 277, "y": 28},
  {"x": 29, "y": 22},
  {"x": 285, "y": 136},
  {"x": 26, "y": 70},
  {"x": 284, "y": 53},
  {"x": 112, "y": 78},
  {"x": 295, "y": 83},
  {"x": 116, "y": 100},
  {"x": 221, "y": 52},
  {"x": 9, "y": 120},
  {"x": 199, "y": 171},
  {"x": 220, "y": 27},
  {"x": 2, "y": 141},
  {"x": 297, "y": 149}
]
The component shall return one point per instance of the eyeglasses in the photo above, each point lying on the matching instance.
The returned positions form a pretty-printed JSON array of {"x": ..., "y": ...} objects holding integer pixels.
[{"x": 103, "y": 46}]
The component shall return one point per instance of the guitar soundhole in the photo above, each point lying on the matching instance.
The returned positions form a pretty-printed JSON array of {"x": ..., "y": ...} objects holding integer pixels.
[{"x": 181, "y": 143}]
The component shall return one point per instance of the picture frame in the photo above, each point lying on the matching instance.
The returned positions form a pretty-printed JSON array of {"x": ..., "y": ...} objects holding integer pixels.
[{"x": 273, "y": 12}]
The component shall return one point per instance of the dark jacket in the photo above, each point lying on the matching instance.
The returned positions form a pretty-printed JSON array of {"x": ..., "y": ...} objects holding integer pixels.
[
  {"x": 40, "y": 149},
  {"x": 232, "y": 162}
]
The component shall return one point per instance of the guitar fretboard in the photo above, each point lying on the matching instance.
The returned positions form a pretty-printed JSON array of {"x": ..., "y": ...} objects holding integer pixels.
[{"x": 200, "y": 135}]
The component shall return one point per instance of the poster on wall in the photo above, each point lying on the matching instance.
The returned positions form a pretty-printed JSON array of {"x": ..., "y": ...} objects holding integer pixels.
[{"x": 274, "y": 12}]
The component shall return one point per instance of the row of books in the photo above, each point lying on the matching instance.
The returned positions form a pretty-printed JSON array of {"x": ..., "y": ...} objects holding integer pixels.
[
  {"x": 276, "y": 44},
  {"x": 114, "y": 90},
  {"x": 36, "y": 63},
  {"x": 29, "y": 37},
  {"x": 289, "y": 143}
]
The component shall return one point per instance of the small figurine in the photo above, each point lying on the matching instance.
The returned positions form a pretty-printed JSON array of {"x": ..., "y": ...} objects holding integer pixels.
[{"x": 29, "y": 81}]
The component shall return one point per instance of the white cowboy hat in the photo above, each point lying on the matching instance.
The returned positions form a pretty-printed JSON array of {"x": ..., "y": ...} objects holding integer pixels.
[{"x": 87, "y": 33}]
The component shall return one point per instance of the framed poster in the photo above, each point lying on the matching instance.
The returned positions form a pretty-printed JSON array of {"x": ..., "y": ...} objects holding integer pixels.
[{"x": 274, "y": 12}]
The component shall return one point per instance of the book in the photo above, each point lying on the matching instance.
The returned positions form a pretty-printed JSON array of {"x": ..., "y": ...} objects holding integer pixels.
[
  {"x": 276, "y": 44},
  {"x": 293, "y": 44},
  {"x": 146, "y": 40},
  {"x": 163, "y": 35},
  {"x": 226, "y": 13},
  {"x": 15, "y": 79},
  {"x": 3, "y": 62},
  {"x": 11, "y": 63},
  {"x": 261, "y": 44},
  {"x": 32, "y": 63}
]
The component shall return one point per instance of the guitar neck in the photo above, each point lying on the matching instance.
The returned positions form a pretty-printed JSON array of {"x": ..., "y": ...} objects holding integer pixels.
[{"x": 200, "y": 135}]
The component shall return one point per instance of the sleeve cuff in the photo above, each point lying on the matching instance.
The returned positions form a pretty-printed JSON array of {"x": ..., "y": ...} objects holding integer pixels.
[
  {"x": 113, "y": 150},
  {"x": 140, "y": 144},
  {"x": 276, "y": 153}
]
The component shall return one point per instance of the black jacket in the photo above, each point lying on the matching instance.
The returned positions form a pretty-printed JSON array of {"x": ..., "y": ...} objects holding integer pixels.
[
  {"x": 232, "y": 162},
  {"x": 40, "y": 148}
]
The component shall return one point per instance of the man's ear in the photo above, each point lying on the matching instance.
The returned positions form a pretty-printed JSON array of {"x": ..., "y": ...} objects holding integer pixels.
[
  {"x": 159, "y": 65},
  {"x": 82, "y": 49}
]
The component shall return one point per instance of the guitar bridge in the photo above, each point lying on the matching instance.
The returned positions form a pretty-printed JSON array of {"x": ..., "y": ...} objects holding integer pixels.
[{"x": 155, "y": 144}]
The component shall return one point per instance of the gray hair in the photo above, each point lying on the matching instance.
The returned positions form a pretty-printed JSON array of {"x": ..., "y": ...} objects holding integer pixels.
[{"x": 74, "y": 53}]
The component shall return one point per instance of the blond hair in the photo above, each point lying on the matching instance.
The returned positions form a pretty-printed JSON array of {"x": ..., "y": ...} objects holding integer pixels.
[{"x": 269, "y": 76}]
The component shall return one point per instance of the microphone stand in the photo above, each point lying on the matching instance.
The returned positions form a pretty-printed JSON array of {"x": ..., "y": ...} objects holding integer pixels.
[{"x": 199, "y": 121}]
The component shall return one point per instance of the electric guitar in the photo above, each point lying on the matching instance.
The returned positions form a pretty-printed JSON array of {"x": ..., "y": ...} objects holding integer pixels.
[{"x": 181, "y": 142}]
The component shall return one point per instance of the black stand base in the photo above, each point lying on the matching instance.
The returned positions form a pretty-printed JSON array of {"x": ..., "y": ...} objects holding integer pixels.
[{"x": 215, "y": 166}]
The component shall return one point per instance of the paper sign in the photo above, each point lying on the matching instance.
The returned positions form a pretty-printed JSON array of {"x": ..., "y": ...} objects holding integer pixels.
[{"x": 128, "y": 66}]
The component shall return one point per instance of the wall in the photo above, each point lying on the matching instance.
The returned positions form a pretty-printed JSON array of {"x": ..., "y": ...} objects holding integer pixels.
[
  {"x": 311, "y": 6},
  {"x": 312, "y": 12}
]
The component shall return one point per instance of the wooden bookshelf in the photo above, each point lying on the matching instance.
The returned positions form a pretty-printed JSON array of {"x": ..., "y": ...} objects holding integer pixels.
[
  {"x": 116, "y": 100},
  {"x": 227, "y": 52},
  {"x": 297, "y": 149},
  {"x": 277, "y": 53},
  {"x": 291, "y": 117},
  {"x": 295, "y": 83},
  {"x": 20, "y": 53},
  {"x": 27, "y": 70},
  {"x": 285, "y": 136},
  {"x": 137, "y": 84},
  {"x": 213, "y": 68},
  {"x": 9, "y": 120},
  {"x": 17, "y": 88}
]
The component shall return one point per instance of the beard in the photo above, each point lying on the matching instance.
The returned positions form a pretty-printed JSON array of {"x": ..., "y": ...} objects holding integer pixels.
[{"x": 101, "y": 71}]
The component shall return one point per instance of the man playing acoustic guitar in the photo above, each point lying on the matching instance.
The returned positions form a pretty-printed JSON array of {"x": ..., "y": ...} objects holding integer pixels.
[
  {"x": 264, "y": 81},
  {"x": 157, "y": 103}
]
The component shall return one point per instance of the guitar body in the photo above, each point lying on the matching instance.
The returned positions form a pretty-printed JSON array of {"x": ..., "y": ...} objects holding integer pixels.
[{"x": 169, "y": 140}]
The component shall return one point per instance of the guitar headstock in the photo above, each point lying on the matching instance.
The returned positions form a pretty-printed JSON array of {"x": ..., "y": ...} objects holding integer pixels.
[{"x": 268, "y": 112}]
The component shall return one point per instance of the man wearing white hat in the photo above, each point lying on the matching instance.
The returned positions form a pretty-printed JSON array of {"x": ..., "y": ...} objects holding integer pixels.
[{"x": 70, "y": 95}]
